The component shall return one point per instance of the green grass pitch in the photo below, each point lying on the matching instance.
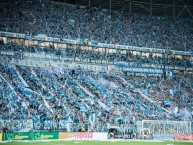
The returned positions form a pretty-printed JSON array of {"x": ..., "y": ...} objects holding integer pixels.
[{"x": 96, "y": 143}]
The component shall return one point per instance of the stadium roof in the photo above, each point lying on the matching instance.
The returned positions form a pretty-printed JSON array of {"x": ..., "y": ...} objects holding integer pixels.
[{"x": 171, "y": 8}]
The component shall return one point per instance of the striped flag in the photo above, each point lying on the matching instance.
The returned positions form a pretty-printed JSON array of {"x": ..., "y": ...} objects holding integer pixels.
[
  {"x": 84, "y": 116},
  {"x": 27, "y": 91},
  {"x": 92, "y": 119},
  {"x": 68, "y": 123}
]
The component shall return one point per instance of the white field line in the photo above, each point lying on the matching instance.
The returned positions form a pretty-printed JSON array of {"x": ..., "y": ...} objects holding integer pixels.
[{"x": 106, "y": 140}]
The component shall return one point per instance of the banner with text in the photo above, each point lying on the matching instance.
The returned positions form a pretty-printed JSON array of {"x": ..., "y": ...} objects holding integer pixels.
[
  {"x": 163, "y": 136},
  {"x": 184, "y": 136},
  {"x": 17, "y": 125},
  {"x": 43, "y": 37},
  {"x": 83, "y": 135},
  {"x": 139, "y": 69},
  {"x": 30, "y": 136}
]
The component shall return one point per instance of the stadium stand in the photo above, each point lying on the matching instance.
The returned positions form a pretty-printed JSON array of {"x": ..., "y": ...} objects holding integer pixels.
[
  {"x": 79, "y": 54},
  {"x": 54, "y": 97},
  {"x": 75, "y": 22},
  {"x": 43, "y": 93}
]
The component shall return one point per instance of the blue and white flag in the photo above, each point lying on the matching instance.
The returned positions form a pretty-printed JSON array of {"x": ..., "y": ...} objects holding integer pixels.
[
  {"x": 119, "y": 118},
  {"x": 27, "y": 91},
  {"x": 102, "y": 105},
  {"x": 47, "y": 105},
  {"x": 11, "y": 95},
  {"x": 84, "y": 115},
  {"x": 68, "y": 123},
  {"x": 92, "y": 119},
  {"x": 69, "y": 113},
  {"x": 83, "y": 109}
]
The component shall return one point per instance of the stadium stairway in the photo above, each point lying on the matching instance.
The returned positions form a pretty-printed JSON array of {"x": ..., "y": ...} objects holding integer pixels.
[
  {"x": 83, "y": 88},
  {"x": 7, "y": 92},
  {"x": 39, "y": 83},
  {"x": 20, "y": 84},
  {"x": 20, "y": 77},
  {"x": 12, "y": 94},
  {"x": 147, "y": 97},
  {"x": 138, "y": 104},
  {"x": 141, "y": 102},
  {"x": 101, "y": 89}
]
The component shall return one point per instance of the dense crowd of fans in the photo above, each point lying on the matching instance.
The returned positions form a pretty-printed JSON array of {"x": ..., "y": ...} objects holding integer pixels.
[
  {"x": 74, "y": 22},
  {"x": 79, "y": 54},
  {"x": 55, "y": 93}
]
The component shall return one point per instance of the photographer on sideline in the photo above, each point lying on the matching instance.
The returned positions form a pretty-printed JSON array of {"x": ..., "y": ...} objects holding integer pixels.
[{"x": 4, "y": 129}]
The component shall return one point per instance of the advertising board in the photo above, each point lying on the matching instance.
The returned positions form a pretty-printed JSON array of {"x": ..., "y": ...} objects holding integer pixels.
[
  {"x": 184, "y": 136},
  {"x": 0, "y": 137},
  {"x": 30, "y": 136},
  {"x": 119, "y": 135},
  {"x": 163, "y": 136},
  {"x": 83, "y": 135}
]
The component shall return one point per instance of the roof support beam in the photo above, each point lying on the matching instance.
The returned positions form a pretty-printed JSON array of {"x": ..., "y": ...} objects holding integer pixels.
[
  {"x": 189, "y": 11},
  {"x": 122, "y": 9},
  {"x": 185, "y": 7},
  {"x": 174, "y": 10},
  {"x": 150, "y": 10},
  {"x": 180, "y": 12},
  {"x": 110, "y": 6}
]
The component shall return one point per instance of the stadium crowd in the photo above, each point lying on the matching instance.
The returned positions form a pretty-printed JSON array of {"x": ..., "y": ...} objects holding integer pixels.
[
  {"x": 74, "y": 22},
  {"x": 78, "y": 95},
  {"x": 79, "y": 54},
  {"x": 61, "y": 93}
]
